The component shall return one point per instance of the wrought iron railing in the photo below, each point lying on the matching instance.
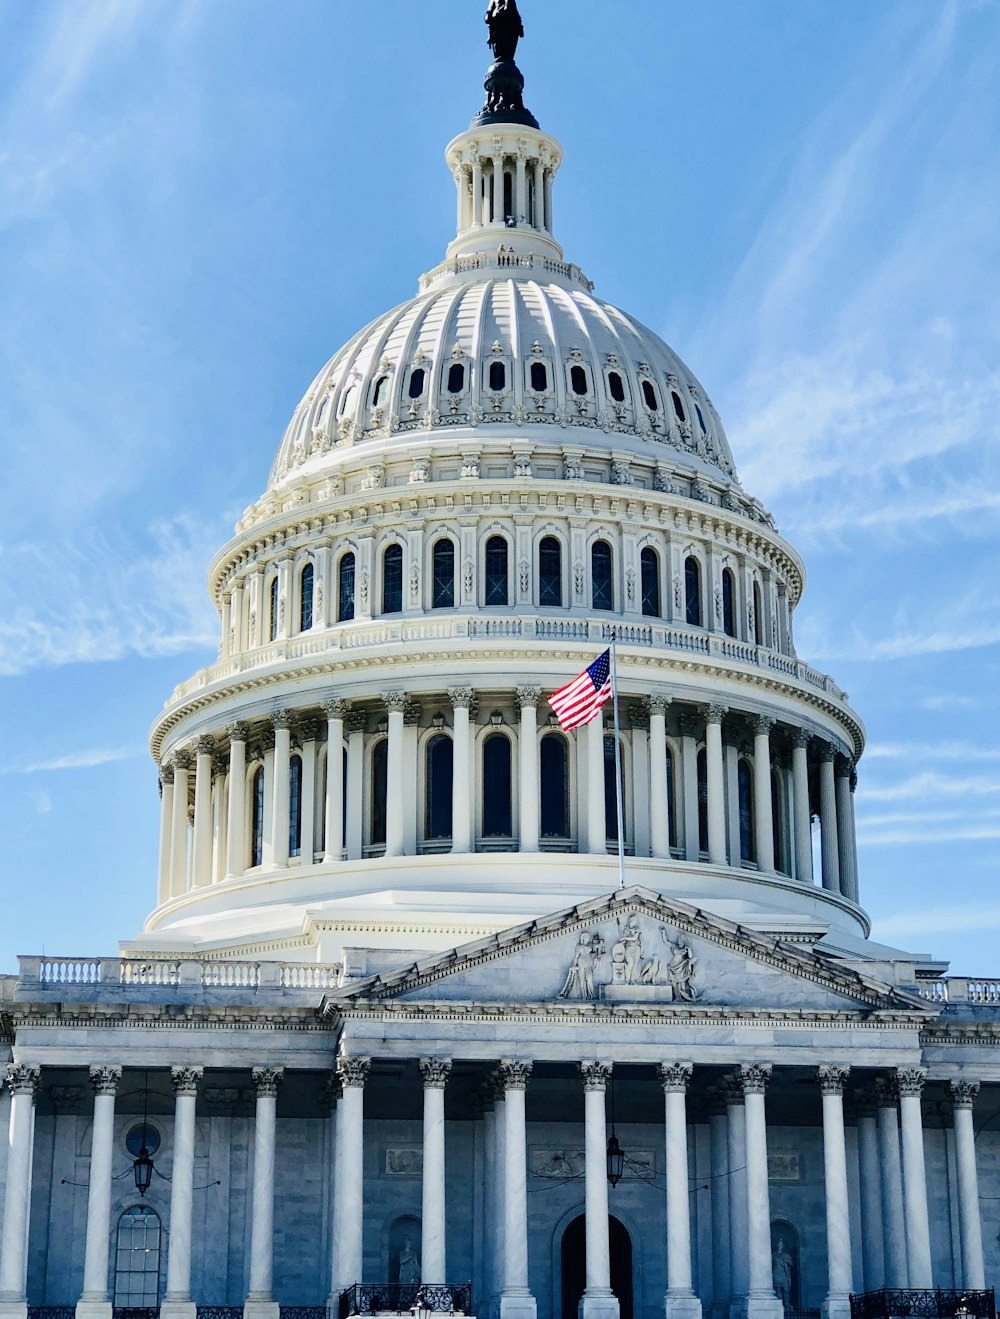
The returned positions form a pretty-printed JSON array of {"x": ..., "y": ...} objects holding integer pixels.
[
  {"x": 51, "y": 1311},
  {"x": 136, "y": 1312},
  {"x": 924, "y": 1303},
  {"x": 220, "y": 1312},
  {"x": 303, "y": 1312},
  {"x": 402, "y": 1297}
]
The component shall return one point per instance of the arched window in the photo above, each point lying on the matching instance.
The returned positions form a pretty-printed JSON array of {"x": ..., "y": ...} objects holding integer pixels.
[
  {"x": 440, "y": 770},
  {"x": 649, "y": 562},
  {"x": 554, "y": 786},
  {"x": 549, "y": 572},
  {"x": 539, "y": 377},
  {"x": 345, "y": 592},
  {"x": 456, "y": 378},
  {"x": 295, "y": 807},
  {"x": 671, "y": 800},
  {"x": 257, "y": 817},
  {"x": 649, "y": 394},
  {"x": 272, "y": 621},
  {"x": 306, "y": 581},
  {"x": 392, "y": 580},
  {"x": 578, "y": 379},
  {"x": 378, "y": 396},
  {"x": 702, "y": 767},
  {"x": 497, "y": 813},
  {"x": 678, "y": 405},
  {"x": 443, "y": 596},
  {"x": 610, "y": 792},
  {"x": 137, "y": 1259},
  {"x": 701, "y": 420},
  {"x": 496, "y": 571},
  {"x": 600, "y": 573},
  {"x": 616, "y": 387},
  {"x": 692, "y": 591},
  {"x": 498, "y": 376},
  {"x": 758, "y": 615},
  {"x": 380, "y": 781},
  {"x": 349, "y": 400},
  {"x": 416, "y": 382},
  {"x": 748, "y": 843},
  {"x": 777, "y": 819},
  {"x": 728, "y": 603}
]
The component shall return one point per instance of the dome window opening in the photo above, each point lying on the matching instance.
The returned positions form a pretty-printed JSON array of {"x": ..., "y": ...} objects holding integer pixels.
[
  {"x": 617, "y": 386},
  {"x": 306, "y": 583},
  {"x": 679, "y": 412},
  {"x": 443, "y": 596},
  {"x": 602, "y": 588},
  {"x": 508, "y": 198},
  {"x": 554, "y": 786},
  {"x": 257, "y": 818},
  {"x": 417, "y": 382},
  {"x": 378, "y": 395},
  {"x": 650, "y": 573},
  {"x": 498, "y": 821},
  {"x": 692, "y": 591},
  {"x": 496, "y": 593},
  {"x": 440, "y": 775},
  {"x": 272, "y": 621},
  {"x": 748, "y": 843},
  {"x": 777, "y": 817},
  {"x": 392, "y": 580},
  {"x": 456, "y": 378},
  {"x": 702, "y": 776},
  {"x": 728, "y": 603},
  {"x": 295, "y": 806},
  {"x": 611, "y": 793},
  {"x": 539, "y": 377},
  {"x": 349, "y": 401},
  {"x": 578, "y": 380},
  {"x": 345, "y": 588},
  {"x": 550, "y": 573},
  {"x": 498, "y": 377},
  {"x": 379, "y": 791},
  {"x": 671, "y": 801},
  {"x": 758, "y": 615},
  {"x": 649, "y": 394},
  {"x": 701, "y": 420}
]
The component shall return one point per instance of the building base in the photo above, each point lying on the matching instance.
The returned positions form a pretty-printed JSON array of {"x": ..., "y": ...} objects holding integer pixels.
[
  {"x": 518, "y": 1305},
  {"x": 601, "y": 1304},
  {"x": 93, "y": 1309},
  {"x": 836, "y": 1305},
  {"x": 681, "y": 1306},
  {"x": 172, "y": 1310},
  {"x": 13, "y": 1309},
  {"x": 764, "y": 1305},
  {"x": 257, "y": 1310}
]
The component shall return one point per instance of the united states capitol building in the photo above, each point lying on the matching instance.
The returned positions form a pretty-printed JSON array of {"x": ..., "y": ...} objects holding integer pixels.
[{"x": 394, "y": 1037}]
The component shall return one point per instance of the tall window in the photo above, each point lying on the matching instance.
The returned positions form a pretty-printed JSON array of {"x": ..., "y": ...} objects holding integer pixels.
[
  {"x": 539, "y": 377},
  {"x": 728, "y": 603},
  {"x": 496, "y": 571},
  {"x": 257, "y": 817},
  {"x": 578, "y": 380},
  {"x": 616, "y": 387},
  {"x": 378, "y": 397},
  {"x": 440, "y": 772},
  {"x": 295, "y": 807},
  {"x": 600, "y": 572},
  {"x": 498, "y": 376},
  {"x": 456, "y": 378},
  {"x": 758, "y": 615},
  {"x": 692, "y": 591},
  {"x": 137, "y": 1258},
  {"x": 444, "y": 574},
  {"x": 416, "y": 382},
  {"x": 649, "y": 563},
  {"x": 345, "y": 588},
  {"x": 671, "y": 800},
  {"x": 380, "y": 781},
  {"x": 272, "y": 621},
  {"x": 392, "y": 580},
  {"x": 748, "y": 843},
  {"x": 702, "y": 764},
  {"x": 498, "y": 819},
  {"x": 554, "y": 785},
  {"x": 678, "y": 405},
  {"x": 306, "y": 581},
  {"x": 649, "y": 394},
  {"x": 549, "y": 571},
  {"x": 777, "y": 817},
  {"x": 610, "y": 792}
]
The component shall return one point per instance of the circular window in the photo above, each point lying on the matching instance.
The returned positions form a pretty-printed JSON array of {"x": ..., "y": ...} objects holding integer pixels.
[{"x": 142, "y": 1135}]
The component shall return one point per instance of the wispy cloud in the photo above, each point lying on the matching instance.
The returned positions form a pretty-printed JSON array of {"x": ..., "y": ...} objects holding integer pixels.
[
  {"x": 961, "y": 751},
  {"x": 88, "y": 759},
  {"x": 937, "y": 920},
  {"x": 932, "y": 785}
]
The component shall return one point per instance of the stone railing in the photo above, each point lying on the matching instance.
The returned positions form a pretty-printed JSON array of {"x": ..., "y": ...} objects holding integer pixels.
[
  {"x": 961, "y": 989},
  {"x": 500, "y": 261},
  {"x": 58, "y": 972}
]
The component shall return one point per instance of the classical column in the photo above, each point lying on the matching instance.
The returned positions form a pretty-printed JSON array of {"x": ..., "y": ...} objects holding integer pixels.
[
  {"x": 516, "y": 1302},
  {"x": 236, "y": 861},
  {"x": 260, "y": 1302},
  {"x": 714, "y": 715},
  {"x": 689, "y": 766},
  {"x": 220, "y": 799},
  {"x": 179, "y": 826},
  {"x": 226, "y": 638},
  {"x": 434, "y": 1073},
  {"x": 394, "y": 819},
  {"x": 348, "y": 1217},
  {"x": 680, "y": 1301},
  {"x": 177, "y": 1303},
  {"x": 963, "y": 1096},
  {"x": 719, "y": 1171},
  {"x": 598, "y": 1299},
  {"x": 762, "y": 1303},
  {"x": 201, "y": 842},
  {"x": 527, "y": 699},
  {"x": 597, "y": 826},
  {"x": 95, "y": 1302},
  {"x": 334, "y": 804},
  {"x": 308, "y": 735},
  {"x": 477, "y": 193},
  {"x": 335, "y": 1091},
  {"x": 802, "y": 813},
  {"x": 837, "y": 1304},
  {"x": 281, "y": 721},
  {"x": 22, "y": 1081},
  {"x": 659, "y": 803},
  {"x": 869, "y": 1169},
  {"x": 736, "y": 1142},
  {"x": 461, "y": 787},
  {"x": 843, "y": 773},
  {"x": 500, "y": 1190},
  {"x": 763, "y": 807},
  {"x": 892, "y": 1183},
  {"x": 830, "y": 848},
  {"x": 539, "y": 172},
  {"x": 548, "y": 200},
  {"x": 166, "y": 830},
  {"x": 354, "y": 725},
  {"x": 520, "y": 188},
  {"x": 910, "y": 1084}
]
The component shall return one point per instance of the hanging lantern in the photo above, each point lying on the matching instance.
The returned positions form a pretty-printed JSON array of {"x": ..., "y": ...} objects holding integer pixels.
[
  {"x": 616, "y": 1159},
  {"x": 142, "y": 1170}
]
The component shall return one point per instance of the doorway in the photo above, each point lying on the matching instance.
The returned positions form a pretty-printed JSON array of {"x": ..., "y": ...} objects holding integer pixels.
[{"x": 574, "y": 1265}]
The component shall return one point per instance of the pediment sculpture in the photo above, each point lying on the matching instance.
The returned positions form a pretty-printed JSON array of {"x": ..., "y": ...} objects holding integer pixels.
[{"x": 663, "y": 973}]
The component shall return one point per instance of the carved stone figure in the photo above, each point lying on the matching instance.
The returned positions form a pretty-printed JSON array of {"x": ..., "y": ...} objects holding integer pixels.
[
  {"x": 579, "y": 982},
  {"x": 506, "y": 28},
  {"x": 781, "y": 1269},
  {"x": 409, "y": 1265},
  {"x": 681, "y": 971}
]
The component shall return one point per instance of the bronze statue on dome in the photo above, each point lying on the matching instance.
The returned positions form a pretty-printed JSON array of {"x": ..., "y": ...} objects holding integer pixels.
[{"x": 505, "y": 27}]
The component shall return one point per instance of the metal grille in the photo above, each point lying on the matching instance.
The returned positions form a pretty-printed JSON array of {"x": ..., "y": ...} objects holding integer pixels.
[
  {"x": 924, "y": 1303},
  {"x": 400, "y": 1298}
]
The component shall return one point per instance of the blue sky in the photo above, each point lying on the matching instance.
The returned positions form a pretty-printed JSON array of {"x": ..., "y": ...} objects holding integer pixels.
[{"x": 200, "y": 200}]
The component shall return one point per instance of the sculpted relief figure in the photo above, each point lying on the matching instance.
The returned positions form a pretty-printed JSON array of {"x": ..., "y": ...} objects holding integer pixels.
[
  {"x": 579, "y": 982},
  {"x": 627, "y": 964},
  {"x": 681, "y": 970},
  {"x": 506, "y": 28}
]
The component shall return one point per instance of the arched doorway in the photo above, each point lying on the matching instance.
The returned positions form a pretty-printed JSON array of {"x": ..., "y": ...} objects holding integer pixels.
[{"x": 574, "y": 1265}]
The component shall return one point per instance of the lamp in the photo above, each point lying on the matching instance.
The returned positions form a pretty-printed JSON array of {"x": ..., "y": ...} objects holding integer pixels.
[
  {"x": 615, "y": 1154},
  {"x": 142, "y": 1165}
]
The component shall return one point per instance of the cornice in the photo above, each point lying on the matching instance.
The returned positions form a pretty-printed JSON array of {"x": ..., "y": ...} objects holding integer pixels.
[{"x": 167, "y": 1016}]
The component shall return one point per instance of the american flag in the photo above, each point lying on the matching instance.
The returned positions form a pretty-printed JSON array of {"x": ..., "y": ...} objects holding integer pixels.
[{"x": 581, "y": 700}]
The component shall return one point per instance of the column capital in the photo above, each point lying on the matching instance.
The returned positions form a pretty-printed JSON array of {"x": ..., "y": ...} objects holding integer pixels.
[
  {"x": 595, "y": 1074},
  {"x": 963, "y": 1093},
  {"x": 832, "y": 1077},
  {"x": 105, "y": 1080},
  {"x": 185, "y": 1079},
  {"x": 239, "y": 731},
  {"x": 354, "y": 721},
  {"x": 23, "y": 1078},
  {"x": 886, "y": 1093},
  {"x": 528, "y": 697},
  {"x": 307, "y": 730},
  {"x": 461, "y": 698},
  {"x": 715, "y": 713},
  {"x": 754, "y": 1077},
  {"x": 910, "y": 1081},
  {"x": 761, "y": 724},
  {"x": 674, "y": 1077},
  {"x": 799, "y": 738},
  {"x": 411, "y": 714},
  {"x": 843, "y": 766},
  {"x": 332, "y": 1091},
  {"x": 826, "y": 751},
  {"x": 205, "y": 745},
  {"x": 353, "y": 1071},
  {"x": 659, "y": 704},
  {"x": 281, "y": 719},
  {"x": 514, "y": 1073},
  {"x": 335, "y": 708},
  {"x": 731, "y": 1089},
  {"x": 266, "y": 1081},
  {"x": 167, "y": 772},
  {"x": 182, "y": 760},
  {"x": 434, "y": 1072},
  {"x": 862, "y": 1103},
  {"x": 394, "y": 701}
]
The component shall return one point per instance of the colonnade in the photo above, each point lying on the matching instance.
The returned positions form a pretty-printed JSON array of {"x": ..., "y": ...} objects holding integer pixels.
[{"x": 481, "y": 190}]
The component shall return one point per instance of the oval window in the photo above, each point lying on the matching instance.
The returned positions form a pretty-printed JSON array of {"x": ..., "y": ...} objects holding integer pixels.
[
  {"x": 378, "y": 398},
  {"x": 649, "y": 394},
  {"x": 498, "y": 376},
  {"x": 539, "y": 377},
  {"x": 616, "y": 387},
  {"x": 456, "y": 378},
  {"x": 417, "y": 382},
  {"x": 578, "y": 379},
  {"x": 678, "y": 405}
]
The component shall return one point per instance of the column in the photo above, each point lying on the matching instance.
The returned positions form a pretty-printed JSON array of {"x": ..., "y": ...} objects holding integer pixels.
[
  {"x": 411, "y": 772},
  {"x": 597, "y": 827},
  {"x": 894, "y": 1240},
  {"x": 485, "y": 1096},
  {"x": 394, "y": 821},
  {"x": 762, "y": 1303},
  {"x": 22, "y": 1081},
  {"x": 763, "y": 807},
  {"x": 236, "y": 848},
  {"x": 434, "y": 1073},
  {"x": 680, "y": 1301},
  {"x": 837, "y": 1304},
  {"x": 460, "y": 200},
  {"x": 236, "y": 616},
  {"x": 830, "y": 850},
  {"x": 336, "y": 1092},
  {"x": 177, "y": 1303},
  {"x": 334, "y": 804},
  {"x": 520, "y": 188},
  {"x": 308, "y": 733},
  {"x": 166, "y": 830},
  {"x": 843, "y": 774},
  {"x": 226, "y": 642},
  {"x": 179, "y": 827},
  {"x": 220, "y": 842},
  {"x": 689, "y": 767},
  {"x": 461, "y": 786},
  {"x": 539, "y": 171},
  {"x": 201, "y": 844},
  {"x": 95, "y": 1303},
  {"x": 736, "y": 1149},
  {"x": 527, "y": 700},
  {"x": 260, "y": 1302},
  {"x": 281, "y": 721},
  {"x": 719, "y": 1170},
  {"x": 910, "y": 1084},
  {"x": 963, "y": 1096},
  {"x": 354, "y": 724},
  {"x": 714, "y": 715},
  {"x": 497, "y": 208},
  {"x": 500, "y": 1191},
  {"x": 872, "y": 1228},
  {"x": 348, "y": 1214},
  {"x": 516, "y": 1302},
  {"x": 802, "y": 830},
  {"x": 548, "y": 200},
  {"x": 477, "y": 193},
  {"x": 598, "y": 1300},
  {"x": 659, "y": 806}
]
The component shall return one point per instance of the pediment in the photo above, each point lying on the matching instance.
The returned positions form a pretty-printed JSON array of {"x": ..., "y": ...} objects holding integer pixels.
[{"x": 633, "y": 948}]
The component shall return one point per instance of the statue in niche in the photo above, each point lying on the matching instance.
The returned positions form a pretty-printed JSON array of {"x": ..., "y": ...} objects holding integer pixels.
[
  {"x": 506, "y": 28},
  {"x": 579, "y": 982},
  {"x": 409, "y": 1265},
  {"x": 781, "y": 1271}
]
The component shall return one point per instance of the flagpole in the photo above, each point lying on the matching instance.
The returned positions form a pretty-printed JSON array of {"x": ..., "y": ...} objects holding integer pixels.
[{"x": 618, "y": 763}]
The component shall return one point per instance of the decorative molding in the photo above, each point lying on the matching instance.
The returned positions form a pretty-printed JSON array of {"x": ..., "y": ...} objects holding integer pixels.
[
  {"x": 353, "y": 1071},
  {"x": 461, "y": 698},
  {"x": 596, "y": 1075},
  {"x": 732, "y": 1091},
  {"x": 761, "y": 724},
  {"x": 963, "y": 1093},
  {"x": 674, "y": 1077},
  {"x": 336, "y": 708},
  {"x": 514, "y": 1073},
  {"x": 434, "y": 1072},
  {"x": 24, "y": 1078},
  {"x": 266, "y": 1081},
  {"x": 528, "y": 697},
  {"x": 832, "y": 1078},
  {"x": 205, "y": 745},
  {"x": 185, "y": 1079},
  {"x": 394, "y": 701},
  {"x": 239, "y": 731},
  {"x": 754, "y": 1077},
  {"x": 105, "y": 1080},
  {"x": 910, "y": 1081}
]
